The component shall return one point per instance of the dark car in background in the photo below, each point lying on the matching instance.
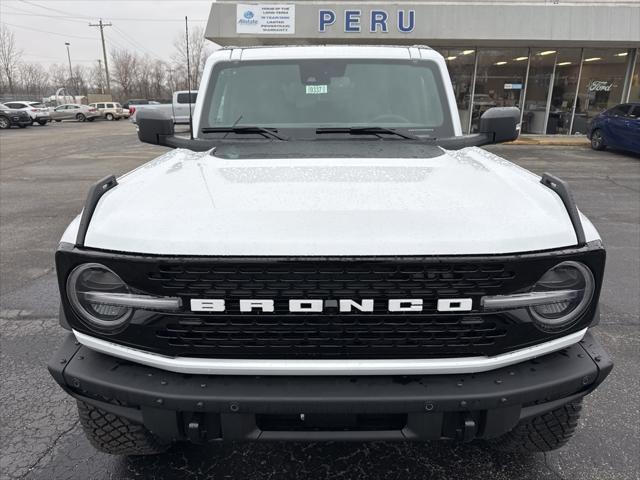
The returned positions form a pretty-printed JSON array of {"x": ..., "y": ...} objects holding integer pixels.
[
  {"x": 618, "y": 127},
  {"x": 136, "y": 101},
  {"x": 12, "y": 116}
]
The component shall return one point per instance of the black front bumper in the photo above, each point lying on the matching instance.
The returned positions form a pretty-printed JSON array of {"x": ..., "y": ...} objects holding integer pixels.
[
  {"x": 20, "y": 121},
  {"x": 206, "y": 407}
]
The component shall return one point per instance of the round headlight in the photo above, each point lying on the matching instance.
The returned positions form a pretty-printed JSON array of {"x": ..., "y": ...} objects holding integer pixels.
[
  {"x": 91, "y": 278},
  {"x": 572, "y": 278}
]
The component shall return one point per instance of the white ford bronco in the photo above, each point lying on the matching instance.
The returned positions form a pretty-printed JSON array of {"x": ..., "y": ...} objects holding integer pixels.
[{"x": 329, "y": 258}]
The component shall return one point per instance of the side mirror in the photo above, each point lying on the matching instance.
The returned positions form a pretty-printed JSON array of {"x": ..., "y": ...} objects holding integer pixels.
[
  {"x": 154, "y": 127},
  {"x": 501, "y": 124}
]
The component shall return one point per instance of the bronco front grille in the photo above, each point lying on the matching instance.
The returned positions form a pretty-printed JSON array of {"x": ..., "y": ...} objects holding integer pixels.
[
  {"x": 329, "y": 281},
  {"x": 330, "y": 334}
]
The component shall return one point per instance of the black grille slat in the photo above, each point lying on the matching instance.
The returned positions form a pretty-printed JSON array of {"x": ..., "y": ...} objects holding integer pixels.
[{"x": 330, "y": 334}]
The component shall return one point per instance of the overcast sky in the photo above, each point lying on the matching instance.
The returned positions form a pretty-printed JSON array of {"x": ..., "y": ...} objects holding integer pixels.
[{"x": 41, "y": 27}]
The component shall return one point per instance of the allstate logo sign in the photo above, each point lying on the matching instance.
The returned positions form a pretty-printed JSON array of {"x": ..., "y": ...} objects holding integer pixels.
[{"x": 248, "y": 18}]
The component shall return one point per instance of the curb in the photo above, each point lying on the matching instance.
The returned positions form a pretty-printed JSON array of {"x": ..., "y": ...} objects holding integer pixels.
[{"x": 561, "y": 141}]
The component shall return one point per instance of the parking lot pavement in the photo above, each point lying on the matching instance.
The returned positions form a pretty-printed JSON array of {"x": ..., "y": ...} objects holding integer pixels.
[{"x": 44, "y": 176}]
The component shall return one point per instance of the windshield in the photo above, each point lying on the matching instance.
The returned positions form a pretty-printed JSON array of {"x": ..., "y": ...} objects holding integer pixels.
[{"x": 303, "y": 94}]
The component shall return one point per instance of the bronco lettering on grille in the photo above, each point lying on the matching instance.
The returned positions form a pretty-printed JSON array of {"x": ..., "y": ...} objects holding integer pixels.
[{"x": 345, "y": 305}]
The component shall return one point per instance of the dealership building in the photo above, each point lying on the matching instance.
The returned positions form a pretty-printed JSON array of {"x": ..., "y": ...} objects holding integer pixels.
[{"x": 561, "y": 62}]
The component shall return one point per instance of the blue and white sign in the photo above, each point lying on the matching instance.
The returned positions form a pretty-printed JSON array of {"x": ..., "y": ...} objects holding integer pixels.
[
  {"x": 513, "y": 86},
  {"x": 263, "y": 18},
  {"x": 371, "y": 21}
]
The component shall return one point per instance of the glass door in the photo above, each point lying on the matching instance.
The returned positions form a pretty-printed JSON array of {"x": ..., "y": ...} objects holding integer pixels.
[{"x": 500, "y": 81}]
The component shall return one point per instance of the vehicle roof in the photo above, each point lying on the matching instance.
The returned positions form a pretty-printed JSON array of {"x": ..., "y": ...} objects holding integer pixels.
[{"x": 330, "y": 51}]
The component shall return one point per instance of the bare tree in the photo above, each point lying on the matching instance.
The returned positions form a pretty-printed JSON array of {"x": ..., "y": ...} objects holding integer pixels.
[
  {"x": 143, "y": 77},
  {"x": 158, "y": 76},
  {"x": 124, "y": 65},
  {"x": 58, "y": 75},
  {"x": 97, "y": 79},
  {"x": 9, "y": 56},
  {"x": 34, "y": 80},
  {"x": 198, "y": 49},
  {"x": 80, "y": 78}
]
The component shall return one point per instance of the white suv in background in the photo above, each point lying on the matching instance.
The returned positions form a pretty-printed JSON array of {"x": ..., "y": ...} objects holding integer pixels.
[
  {"x": 111, "y": 110},
  {"x": 38, "y": 112}
]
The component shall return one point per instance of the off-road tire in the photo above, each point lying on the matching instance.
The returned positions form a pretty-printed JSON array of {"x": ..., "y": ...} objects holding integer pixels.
[
  {"x": 109, "y": 116},
  {"x": 543, "y": 433},
  {"x": 597, "y": 140},
  {"x": 80, "y": 117},
  {"x": 116, "y": 435}
]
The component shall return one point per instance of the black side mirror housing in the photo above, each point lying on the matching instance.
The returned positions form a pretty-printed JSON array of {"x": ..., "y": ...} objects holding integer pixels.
[
  {"x": 154, "y": 127},
  {"x": 157, "y": 128},
  {"x": 501, "y": 124}
]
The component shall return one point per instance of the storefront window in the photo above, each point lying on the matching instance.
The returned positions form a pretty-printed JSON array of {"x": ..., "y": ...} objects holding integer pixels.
[
  {"x": 634, "y": 94},
  {"x": 537, "y": 93},
  {"x": 460, "y": 62},
  {"x": 564, "y": 90},
  {"x": 499, "y": 80},
  {"x": 601, "y": 84}
]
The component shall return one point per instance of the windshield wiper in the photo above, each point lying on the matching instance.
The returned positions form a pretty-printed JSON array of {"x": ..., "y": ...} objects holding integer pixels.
[
  {"x": 265, "y": 132},
  {"x": 367, "y": 131}
]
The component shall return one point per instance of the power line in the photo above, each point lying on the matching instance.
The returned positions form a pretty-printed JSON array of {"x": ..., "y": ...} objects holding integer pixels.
[
  {"x": 119, "y": 19},
  {"x": 50, "y": 33},
  {"x": 34, "y": 4},
  {"x": 69, "y": 18},
  {"x": 115, "y": 43},
  {"x": 135, "y": 43},
  {"x": 75, "y": 60},
  {"x": 24, "y": 13}
]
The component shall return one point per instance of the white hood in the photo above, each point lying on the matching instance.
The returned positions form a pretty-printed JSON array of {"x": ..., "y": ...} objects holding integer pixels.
[{"x": 461, "y": 202}]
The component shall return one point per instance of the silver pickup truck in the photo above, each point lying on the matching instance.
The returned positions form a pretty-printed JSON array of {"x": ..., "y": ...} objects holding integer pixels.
[{"x": 178, "y": 109}]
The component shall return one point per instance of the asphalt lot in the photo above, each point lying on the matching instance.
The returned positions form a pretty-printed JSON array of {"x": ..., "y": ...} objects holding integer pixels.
[{"x": 44, "y": 176}]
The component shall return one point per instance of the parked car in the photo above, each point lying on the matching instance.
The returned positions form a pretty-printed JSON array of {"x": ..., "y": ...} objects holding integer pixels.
[
  {"x": 76, "y": 111},
  {"x": 178, "y": 109},
  {"x": 13, "y": 116},
  {"x": 38, "y": 112},
  {"x": 480, "y": 101},
  {"x": 618, "y": 127},
  {"x": 134, "y": 101},
  {"x": 110, "y": 110}
]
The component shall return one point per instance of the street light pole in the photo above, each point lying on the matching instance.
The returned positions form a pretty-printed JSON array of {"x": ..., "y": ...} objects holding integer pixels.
[{"x": 70, "y": 70}]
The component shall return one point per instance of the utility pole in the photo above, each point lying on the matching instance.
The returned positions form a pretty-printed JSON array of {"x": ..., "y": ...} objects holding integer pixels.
[
  {"x": 70, "y": 70},
  {"x": 101, "y": 82},
  {"x": 104, "y": 50}
]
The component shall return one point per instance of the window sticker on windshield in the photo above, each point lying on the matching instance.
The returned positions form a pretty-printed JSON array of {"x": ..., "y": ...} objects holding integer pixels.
[{"x": 316, "y": 89}]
